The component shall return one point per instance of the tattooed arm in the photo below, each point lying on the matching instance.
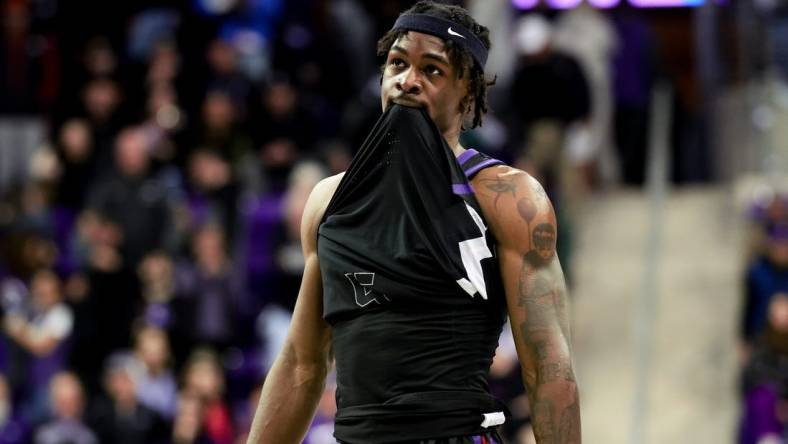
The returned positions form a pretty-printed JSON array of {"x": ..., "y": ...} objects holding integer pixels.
[{"x": 522, "y": 219}]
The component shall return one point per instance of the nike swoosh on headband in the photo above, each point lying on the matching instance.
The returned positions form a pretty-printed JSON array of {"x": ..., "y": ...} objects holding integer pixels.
[
  {"x": 455, "y": 33},
  {"x": 444, "y": 28}
]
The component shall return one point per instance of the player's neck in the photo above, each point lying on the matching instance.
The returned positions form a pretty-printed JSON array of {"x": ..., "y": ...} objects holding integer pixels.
[{"x": 452, "y": 138}]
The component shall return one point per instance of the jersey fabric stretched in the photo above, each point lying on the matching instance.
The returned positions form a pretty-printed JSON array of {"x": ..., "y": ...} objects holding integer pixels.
[{"x": 411, "y": 288}]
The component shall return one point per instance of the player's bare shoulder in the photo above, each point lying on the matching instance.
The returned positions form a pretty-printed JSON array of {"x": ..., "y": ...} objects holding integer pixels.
[
  {"x": 514, "y": 204},
  {"x": 316, "y": 206}
]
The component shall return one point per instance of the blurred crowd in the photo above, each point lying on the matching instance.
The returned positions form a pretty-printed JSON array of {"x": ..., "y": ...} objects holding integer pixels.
[
  {"x": 155, "y": 162},
  {"x": 764, "y": 326}
]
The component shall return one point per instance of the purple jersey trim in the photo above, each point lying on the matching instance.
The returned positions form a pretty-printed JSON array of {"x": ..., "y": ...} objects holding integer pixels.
[
  {"x": 462, "y": 188},
  {"x": 476, "y": 168},
  {"x": 467, "y": 154}
]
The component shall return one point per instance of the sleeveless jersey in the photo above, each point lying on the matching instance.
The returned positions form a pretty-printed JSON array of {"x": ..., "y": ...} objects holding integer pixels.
[{"x": 411, "y": 288}]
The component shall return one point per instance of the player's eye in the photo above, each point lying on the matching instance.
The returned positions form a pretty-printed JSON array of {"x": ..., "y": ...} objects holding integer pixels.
[
  {"x": 397, "y": 62},
  {"x": 433, "y": 70}
]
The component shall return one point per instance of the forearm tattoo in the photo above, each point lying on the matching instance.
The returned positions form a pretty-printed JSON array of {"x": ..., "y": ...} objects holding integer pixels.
[
  {"x": 545, "y": 332},
  {"x": 553, "y": 389}
]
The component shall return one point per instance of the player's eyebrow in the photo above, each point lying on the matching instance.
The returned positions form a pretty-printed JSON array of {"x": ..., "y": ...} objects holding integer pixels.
[
  {"x": 429, "y": 55},
  {"x": 399, "y": 49}
]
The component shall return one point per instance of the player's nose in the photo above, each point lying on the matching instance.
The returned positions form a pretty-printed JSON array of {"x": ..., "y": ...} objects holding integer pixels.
[{"x": 409, "y": 81}]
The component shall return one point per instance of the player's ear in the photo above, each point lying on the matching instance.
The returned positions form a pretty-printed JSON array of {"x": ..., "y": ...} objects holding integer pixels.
[
  {"x": 466, "y": 109},
  {"x": 466, "y": 103}
]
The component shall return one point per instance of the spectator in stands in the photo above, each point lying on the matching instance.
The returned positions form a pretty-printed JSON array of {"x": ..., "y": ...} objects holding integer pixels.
[
  {"x": 157, "y": 278},
  {"x": 224, "y": 72},
  {"x": 286, "y": 131},
  {"x": 204, "y": 378},
  {"x": 289, "y": 258},
  {"x": 41, "y": 336},
  {"x": 164, "y": 65},
  {"x": 591, "y": 146},
  {"x": 188, "y": 425},
  {"x": 154, "y": 380},
  {"x": 35, "y": 212},
  {"x": 765, "y": 278},
  {"x": 13, "y": 430},
  {"x": 28, "y": 230},
  {"x": 635, "y": 73},
  {"x": 99, "y": 58},
  {"x": 77, "y": 163},
  {"x": 29, "y": 82},
  {"x": 94, "y": 59},
  {"x": 221, "y": 126},
  {"x": 163, "y": 124},
  {"x": 67, "y": 402},
  {"x": 765, "y": 212},
  {"x": 213, "y": 191},
  {"x": 133, "y": 199},
  {"x": 549, "y": 92},
  {"x": 110, "y": 304},
  {"x": 120, "y": 418},
  {"x": 211, "y": 293},
  {"x": 97, "y": 242},
  {"x": 74, "y": 172},
  {"x": 101, "y": 101},
  {"x": 766, "y": 378},
  {"x": 286, "y": 116},
  {"x": 776, "y": 212}
]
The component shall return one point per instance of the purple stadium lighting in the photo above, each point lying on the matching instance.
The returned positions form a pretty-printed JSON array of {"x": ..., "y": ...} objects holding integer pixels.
[
  {"x": 665, "y": 3},
  {"x": 564, "y": 4},
  {"x": 604, "y": 4},
  {"x": 525, "y": 4}
]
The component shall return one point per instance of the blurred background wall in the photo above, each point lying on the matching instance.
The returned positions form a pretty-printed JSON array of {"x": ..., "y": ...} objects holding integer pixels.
[{"x": 155, "y": 158}]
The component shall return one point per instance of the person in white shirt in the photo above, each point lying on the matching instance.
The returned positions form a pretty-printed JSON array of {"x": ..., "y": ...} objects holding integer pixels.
[{"x": 40, "y": 332}]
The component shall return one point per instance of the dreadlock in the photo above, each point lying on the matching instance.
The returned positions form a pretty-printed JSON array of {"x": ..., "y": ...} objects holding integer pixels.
[{"x": 459, "y": 56}]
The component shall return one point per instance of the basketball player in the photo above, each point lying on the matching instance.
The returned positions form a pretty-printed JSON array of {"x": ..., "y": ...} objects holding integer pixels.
[{"x": 414, "y": 258}]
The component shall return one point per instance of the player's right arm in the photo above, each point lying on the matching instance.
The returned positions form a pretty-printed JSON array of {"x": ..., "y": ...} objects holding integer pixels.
[{"x": 295, "y": 383}]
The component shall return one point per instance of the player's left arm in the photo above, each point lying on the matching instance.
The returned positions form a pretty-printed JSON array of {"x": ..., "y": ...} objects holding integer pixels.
[{"x": 523, "y": 221}]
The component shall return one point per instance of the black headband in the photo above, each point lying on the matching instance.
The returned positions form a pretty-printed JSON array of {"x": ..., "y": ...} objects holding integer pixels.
[{"x": 447, "y": 30}]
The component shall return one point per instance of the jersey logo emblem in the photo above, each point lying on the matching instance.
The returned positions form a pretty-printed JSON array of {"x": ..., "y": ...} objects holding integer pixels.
[
  {"x": 362, "y": 282},
  {"x": 451, "y": 32},
  {"x": 472, "y": 252}
]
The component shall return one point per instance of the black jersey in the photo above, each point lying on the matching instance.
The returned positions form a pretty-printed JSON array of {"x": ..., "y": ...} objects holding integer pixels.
[{"x": 411, "y": 288}]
